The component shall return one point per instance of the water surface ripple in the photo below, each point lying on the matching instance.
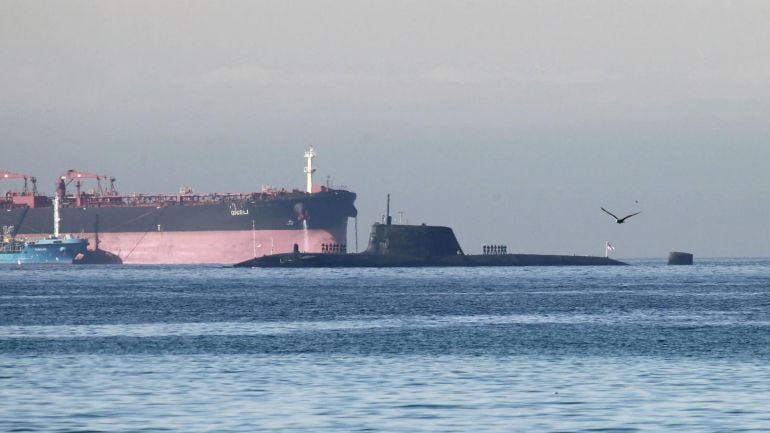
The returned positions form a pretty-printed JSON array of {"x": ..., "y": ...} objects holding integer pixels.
[{"x": 150, "y": 348}]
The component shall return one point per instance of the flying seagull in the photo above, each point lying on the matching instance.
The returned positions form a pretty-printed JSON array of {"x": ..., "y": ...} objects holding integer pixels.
[{"x": 621, "y": 220}]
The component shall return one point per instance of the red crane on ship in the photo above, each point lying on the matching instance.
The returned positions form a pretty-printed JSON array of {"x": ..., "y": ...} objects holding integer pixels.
[
  {"x": 33, "y": 179},
  {"x": 78, "y": 176}
]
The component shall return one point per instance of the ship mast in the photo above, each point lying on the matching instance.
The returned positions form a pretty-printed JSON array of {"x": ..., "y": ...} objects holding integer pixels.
[
  {"x": 309, "y": 170},
  {"x": 56, "y": 218}
]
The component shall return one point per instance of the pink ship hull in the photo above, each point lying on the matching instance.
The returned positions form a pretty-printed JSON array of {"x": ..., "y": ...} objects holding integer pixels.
[{"x": 213, "y": 247}]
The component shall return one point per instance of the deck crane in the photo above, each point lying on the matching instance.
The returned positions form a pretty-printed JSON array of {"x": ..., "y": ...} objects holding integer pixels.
[
  {"x": 9, "y": 175},
  {"x": 77, "y": 176}
]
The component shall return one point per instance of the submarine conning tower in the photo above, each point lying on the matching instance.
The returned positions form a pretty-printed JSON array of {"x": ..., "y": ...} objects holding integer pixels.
[{"x": 412, "y": 241}]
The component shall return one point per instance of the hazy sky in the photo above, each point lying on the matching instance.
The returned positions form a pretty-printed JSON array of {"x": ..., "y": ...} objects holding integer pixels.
[{"x": 510, "y": 121}]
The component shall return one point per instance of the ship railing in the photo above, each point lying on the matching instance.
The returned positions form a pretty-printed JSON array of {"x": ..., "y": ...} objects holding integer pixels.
[
  {"x": 12, "y": 247},
  {"x": 175, "y": 199}
]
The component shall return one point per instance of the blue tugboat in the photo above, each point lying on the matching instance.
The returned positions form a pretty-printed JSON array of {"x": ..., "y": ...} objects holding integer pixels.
[{"x": 54, "y": 249}]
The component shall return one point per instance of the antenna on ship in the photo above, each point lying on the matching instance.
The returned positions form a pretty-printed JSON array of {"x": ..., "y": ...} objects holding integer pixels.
[
  {"x": 309, "y": 170},
  {"x": 387, "y": 212}
]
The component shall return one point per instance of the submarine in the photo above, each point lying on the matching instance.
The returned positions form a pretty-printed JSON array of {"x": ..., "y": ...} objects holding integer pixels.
[{"x": 402, "y": 245}]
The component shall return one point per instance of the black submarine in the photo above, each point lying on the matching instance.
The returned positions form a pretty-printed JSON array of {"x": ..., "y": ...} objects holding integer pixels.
[{"x": 400, "y": 245}]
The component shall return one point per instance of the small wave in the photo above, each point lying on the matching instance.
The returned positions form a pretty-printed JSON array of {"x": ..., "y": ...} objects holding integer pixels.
[{"x": 682, "y": 321}]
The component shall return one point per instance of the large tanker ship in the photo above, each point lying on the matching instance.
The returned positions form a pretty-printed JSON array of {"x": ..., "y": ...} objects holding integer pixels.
[{"x": 183, "y": 228}]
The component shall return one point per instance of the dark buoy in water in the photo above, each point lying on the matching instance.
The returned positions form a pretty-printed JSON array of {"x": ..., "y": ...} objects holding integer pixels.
[{"x": 677, "y": 258}]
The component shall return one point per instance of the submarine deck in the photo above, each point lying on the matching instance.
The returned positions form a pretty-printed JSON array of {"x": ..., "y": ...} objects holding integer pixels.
[{"x": 300, "y": 260}]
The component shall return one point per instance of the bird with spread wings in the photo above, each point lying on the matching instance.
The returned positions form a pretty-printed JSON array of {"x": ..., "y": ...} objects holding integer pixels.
[{"x": 620, "y": 220}]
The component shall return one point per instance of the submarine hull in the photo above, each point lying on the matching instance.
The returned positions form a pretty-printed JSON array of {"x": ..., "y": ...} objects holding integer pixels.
[
  {"x": 394, "y": 246},
  {"x": 364, "y": 260}
]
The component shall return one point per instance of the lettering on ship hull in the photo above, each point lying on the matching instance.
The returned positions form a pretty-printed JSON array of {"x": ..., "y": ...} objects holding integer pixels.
[{"x": 236, "y": 211}]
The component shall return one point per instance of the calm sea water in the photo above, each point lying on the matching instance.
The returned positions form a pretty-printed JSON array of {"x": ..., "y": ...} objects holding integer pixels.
[{"x": 646, "y": 347}]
